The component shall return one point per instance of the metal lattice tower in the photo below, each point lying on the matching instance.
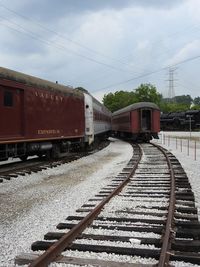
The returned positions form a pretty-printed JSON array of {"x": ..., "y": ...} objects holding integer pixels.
[{"x": 171, "y": 91}]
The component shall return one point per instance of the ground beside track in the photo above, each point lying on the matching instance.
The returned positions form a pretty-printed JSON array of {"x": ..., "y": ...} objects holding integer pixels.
[
  {"x": 30, "y": 224},
  {"x": 191, "y": 166},
  {"x": 52, "y": 195}
]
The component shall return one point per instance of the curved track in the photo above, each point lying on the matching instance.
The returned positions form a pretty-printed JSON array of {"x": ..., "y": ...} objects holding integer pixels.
[
  {"x": 13, "y": 170},
  {"x": 21, "y": 168},
  {"x": 147, "y": 211}
]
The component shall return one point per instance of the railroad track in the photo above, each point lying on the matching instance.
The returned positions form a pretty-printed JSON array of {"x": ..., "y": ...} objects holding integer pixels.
[
  {"x": 15, "y": 169},
  {"x": 28, "y": 167},
  {"x": 145, "y": 217}
]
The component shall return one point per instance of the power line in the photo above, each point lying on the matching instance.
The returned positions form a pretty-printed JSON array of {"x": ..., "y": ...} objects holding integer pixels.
[
  {"x": 83, "y": 46},
  {"x": 61, "y": 47},
  {"x": 149, "y": 73},
  {"x": 32, "y": 35},
  {"x": 28, "y": 32},
  {"x": 63, "y": 36},
  {"x": 51, "y": 43}
]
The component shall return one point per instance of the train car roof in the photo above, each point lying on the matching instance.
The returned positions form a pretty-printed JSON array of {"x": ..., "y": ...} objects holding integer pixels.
[
  {"x": 100, "y": 104},
  {"x": 96, "y": 101},
  {"x": 136, "y": 106},
  {"x": 36, "y": 82}
]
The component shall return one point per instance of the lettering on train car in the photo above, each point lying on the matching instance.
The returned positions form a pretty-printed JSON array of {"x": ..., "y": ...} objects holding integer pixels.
[
  {"x": 52, "y": 131},
  {"x": 49, "y": 96}
]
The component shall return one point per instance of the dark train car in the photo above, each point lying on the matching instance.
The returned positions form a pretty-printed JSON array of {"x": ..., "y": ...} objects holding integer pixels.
[
  {"x": 183, "y": 120},
  {"x": 37, "y": 115},
  {"x": 139, "y": 121}
]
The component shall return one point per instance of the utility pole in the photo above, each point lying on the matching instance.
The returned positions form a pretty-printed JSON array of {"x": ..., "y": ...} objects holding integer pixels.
[{"x": 171, "y": 91}]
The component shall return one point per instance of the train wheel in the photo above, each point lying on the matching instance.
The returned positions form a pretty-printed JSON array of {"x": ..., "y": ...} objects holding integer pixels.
[
  {"x": 55, "y": 152},
  {"x": 24, "y": 157},
  {"x": 40, "y": 156}
]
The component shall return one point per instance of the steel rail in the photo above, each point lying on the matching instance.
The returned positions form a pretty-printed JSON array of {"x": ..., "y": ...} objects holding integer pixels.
[
  {"x": 58, "y": 247},
  {"x": 167, "y": 237},
  {"x": 35, "y": 164}
]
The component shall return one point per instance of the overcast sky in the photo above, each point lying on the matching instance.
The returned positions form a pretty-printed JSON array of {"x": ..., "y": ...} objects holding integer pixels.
[{"x": 104, "y": 45}]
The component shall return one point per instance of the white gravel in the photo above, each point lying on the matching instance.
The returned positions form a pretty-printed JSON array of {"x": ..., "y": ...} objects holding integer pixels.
[
  {"x": 114, "y": 244},
  {"x": 187, "y": 160},
  {"x": 33, "y": 205},
  {"x": 115, "y": 232},
  {"x": 190, "y": 165}
]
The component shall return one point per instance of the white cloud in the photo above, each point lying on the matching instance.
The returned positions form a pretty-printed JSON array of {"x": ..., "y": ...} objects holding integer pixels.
[
  {"x": 99, "y": 95},
  {"x": 135, "y": 37},
  {"x": 188, "y": 51}
]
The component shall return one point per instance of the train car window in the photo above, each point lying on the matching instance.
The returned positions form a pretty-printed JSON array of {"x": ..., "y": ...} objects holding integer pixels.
[{"x": 8, "y": 99}]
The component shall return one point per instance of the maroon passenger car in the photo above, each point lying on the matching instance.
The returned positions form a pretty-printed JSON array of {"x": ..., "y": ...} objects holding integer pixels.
[
  {"x": 139, "y": 121},
  {"x": 37, "y": 115}
]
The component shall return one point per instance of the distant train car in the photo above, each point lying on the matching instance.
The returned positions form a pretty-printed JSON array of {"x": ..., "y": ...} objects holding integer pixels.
[
  {"x": 139, "y": 121},
  {"x": 183, "y": 120},
  {"x": 40, "y": 117}
]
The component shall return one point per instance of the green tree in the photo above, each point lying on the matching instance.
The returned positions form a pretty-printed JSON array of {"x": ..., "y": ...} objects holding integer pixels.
[
  {"x": 173, "y": 107},
  {"x": 197, "y": 107},
  {"x": 196, "y": 101},
  {"x": 148, "y": 93},
  {"x": 183, "y": 99},
  {"x": 118, "y": 100}
]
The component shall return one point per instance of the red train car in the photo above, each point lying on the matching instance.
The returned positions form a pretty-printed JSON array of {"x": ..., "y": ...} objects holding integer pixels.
[
  {"x": 37, "y": 115},
  {"x": 139, "y": 121}
]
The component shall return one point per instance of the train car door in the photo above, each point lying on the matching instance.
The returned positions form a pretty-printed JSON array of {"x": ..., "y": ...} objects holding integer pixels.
[
  {"x": 146, "y": 119},
  {"x": 11, "y": 107}
]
